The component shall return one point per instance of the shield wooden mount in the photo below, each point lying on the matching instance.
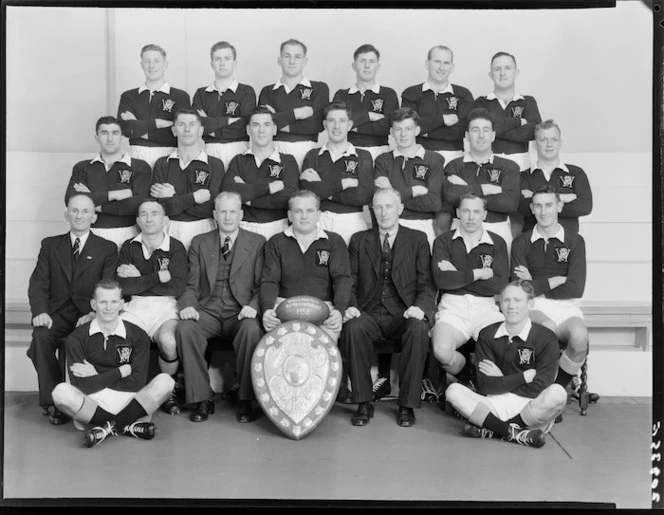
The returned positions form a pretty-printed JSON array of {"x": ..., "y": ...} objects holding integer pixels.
[{"x": 296, "y": 374}]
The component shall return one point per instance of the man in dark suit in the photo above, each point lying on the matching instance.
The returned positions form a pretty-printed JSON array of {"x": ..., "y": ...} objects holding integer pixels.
[
  {"x": 61, "y": 286},
  {"x": 221, "y": 298},
  {"x": 393, "y": 296}
]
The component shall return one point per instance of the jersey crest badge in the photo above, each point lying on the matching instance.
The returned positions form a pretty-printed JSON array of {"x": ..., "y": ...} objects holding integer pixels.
[
  {"x": 377, "y": 105},
  {"x": 275, "y": 171},
  {"x": 167, "y": 105},
  {"x": 163, "y": 263},
  {"x": 351, "y": 166},
  {"x": 305, "y": 93},
  {"x": 200, "y": 176},
  {"x": 323, "y": 257},
  {"x": 526, "y": 355},
  {"x": 563, "y": 254},
  {"x": 124, "y": 176},
  {"x": 124, "y": 353},
  {"x": 420, "y": 172},
  {"x": 231, "y": 107},
  {"x": 452, "y": 103},
  {"x": 566, "y": 181},
  {"x": 487, "y": 260},
  {"x": 493, "y": 175},
  {"x": 517, "y": 111}
]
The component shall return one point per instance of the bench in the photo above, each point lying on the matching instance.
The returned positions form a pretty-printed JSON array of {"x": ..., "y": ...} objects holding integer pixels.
[{"x": 598, "y": 315}]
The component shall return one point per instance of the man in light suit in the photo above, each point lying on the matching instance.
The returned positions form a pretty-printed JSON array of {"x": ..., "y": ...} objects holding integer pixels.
[
  {"x": 392, "y": 296},
  {"x": 221, "y": 298},
  {"x": 60, "y": 288}
]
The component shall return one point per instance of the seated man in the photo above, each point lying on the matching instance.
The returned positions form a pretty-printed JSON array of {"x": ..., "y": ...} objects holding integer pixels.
[
  {"x": 224, "y": 106},
  {"x": 470, "y": 266},
  {"x": 115, "y": 181},
  {"x": 306, "y": 260},
  {"x": 147, "y": 111},
  {"x": 392, "y": 296},
  {"x": 554, "y": 260},
  {"x": 570, "y": 181},
  {"x": 187, "y": 180},
  {"x": 417, "y": 174},
  {"x": 340, "y": 174},
  {"x": 516, "y": 365},
  {"x": 108, "y": 362},
  {"x": 264, "y": 177},
  {"x": 221, "y": 298},
  {"x": 60, "y": 289},
  {"x": 152, "y": 269},
  {"x": 481, "y": 171}
]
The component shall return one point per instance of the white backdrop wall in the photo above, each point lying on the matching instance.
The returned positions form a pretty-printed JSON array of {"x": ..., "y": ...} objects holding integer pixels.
[{"x": 589, "y": 69}]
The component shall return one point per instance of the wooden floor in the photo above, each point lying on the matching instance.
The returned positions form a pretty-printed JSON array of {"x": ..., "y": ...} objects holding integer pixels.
[{"x": 603, "y": 457}]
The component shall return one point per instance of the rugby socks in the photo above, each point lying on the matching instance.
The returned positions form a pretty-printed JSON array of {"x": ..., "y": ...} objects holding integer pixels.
[
  {"x": 567, "y": 369},
  {"x": 169, "y": 367},
  {"x": 499, "y": 427},
  {"x": 130, "y": 413}
]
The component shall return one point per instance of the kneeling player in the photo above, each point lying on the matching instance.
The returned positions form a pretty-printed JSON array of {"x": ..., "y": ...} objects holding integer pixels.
[
  {"x": 516, "y": 365},
  {"x": 469, "y": 267},
  {"x": 554, "y": 260},
  {"x": 108, "y": 364},
  {"x": 153, "y": 270}
]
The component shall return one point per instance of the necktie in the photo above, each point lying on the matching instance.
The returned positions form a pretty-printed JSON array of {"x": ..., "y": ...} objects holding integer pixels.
[
  {"x": 227, "y": 247},
  {"x": 386, "y": 244},
  {"x": 76, "y": 252}
]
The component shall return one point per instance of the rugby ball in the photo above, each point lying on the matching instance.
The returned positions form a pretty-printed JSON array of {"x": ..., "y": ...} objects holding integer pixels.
[{"x": 303, "y": 307}]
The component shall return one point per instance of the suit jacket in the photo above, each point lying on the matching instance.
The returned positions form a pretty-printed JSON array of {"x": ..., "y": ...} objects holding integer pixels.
[
  {"x": 52, "y": 282},
  {"x": 245, "y": 275},
  {"x": 411, "y": 268}
]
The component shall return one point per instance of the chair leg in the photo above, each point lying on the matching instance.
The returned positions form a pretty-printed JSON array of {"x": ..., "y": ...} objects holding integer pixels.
[{"x": 582, "y": 395}]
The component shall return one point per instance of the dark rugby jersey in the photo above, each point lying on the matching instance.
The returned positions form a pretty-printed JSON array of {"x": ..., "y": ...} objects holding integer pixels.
[
  {"x": 379, "y": 100},
  {"x": 511, "y": 136},
  {"x": 203, "y": 172},
  {"x": 431, "y": 106},
  {"x": 499, "y": 171},
  {"x": 236, "y": 102},
  {"x": 353, "y": 164},
  {"x": 307, "y": 93}
]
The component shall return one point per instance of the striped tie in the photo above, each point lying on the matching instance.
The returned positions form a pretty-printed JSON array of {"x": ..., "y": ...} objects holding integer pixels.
[
  {"x": 76, "y": 252},
  {"x": 227, "y": 247}
]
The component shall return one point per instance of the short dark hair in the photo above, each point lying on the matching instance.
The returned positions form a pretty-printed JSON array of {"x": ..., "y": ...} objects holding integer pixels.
[
  {"x": 152, "y": 46},
  {"x": 469, "y": 196},
  {"x": 403, "y": 113},
  {"x": 107, "y": 284},
  {"x": 337, "y": 105},
  {"x": 364, "y": 49},
  {"x": 150, "y": 199},
  {"x": 221, "y": 45},
  {"x": 525, "y": 285},
  {"x": 293, "y": 42},
  {"x": 303, "y": 194},
  {"x": 260, "y": 110},
  {"x": 501, "y": 54},
  {"x": 187, "y": 110},
  {"x": 107, "y": 120},
  {"x": 480, "y": 114},
  {"x": 544, "y": 190},
  {"x": 439, "y": 47}
]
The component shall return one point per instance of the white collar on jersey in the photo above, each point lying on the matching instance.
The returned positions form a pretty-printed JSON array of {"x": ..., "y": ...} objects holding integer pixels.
[
  {"x": 165, "y": 88},
  {"x": 354, "y": 89},
  {"x": 233, "y": 87},
  {"x": 560, "y": 235}
]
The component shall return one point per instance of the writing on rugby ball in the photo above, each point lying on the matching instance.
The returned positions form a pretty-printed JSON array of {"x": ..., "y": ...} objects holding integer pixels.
[{"x": 303, "y": 307}]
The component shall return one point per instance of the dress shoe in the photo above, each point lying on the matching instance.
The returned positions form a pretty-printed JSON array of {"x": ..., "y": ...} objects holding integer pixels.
[
  {"x": 57, "y": 418},
  {"x": 172, "y": 404},
  {"x": 202, "y": 411},
  {"x": 364, "y": 414},
  {"x": 344, "y": 395},
  {"x": 406, "y": 417},
  {"x": 246, "y": 412}
]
